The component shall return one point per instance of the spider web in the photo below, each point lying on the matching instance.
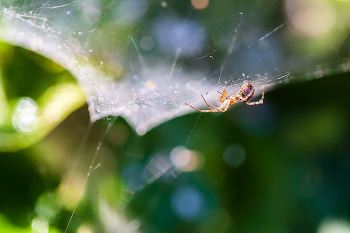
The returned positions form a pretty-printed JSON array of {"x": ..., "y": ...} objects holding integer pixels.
[{"x": 144, "y": 70}]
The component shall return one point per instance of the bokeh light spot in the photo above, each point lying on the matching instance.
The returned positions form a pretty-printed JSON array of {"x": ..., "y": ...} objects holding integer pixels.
[
  {"x": 132, "y": 10},
  {"x": 188, "y": 203},
  {"x": 186, "y": 160},
  {"x": 39, "y": 226},
  {"x": 172, "y": 34},
  {"x": 312, "y": 17},
  {"x": 47, "y": 206},
  {"x": 42, "y": 169},
  {"x": 24, "y": 119},
  {"x": 84, "y": 228},
  {"x": 134, "y": 224},
  {"x": 334, "y": 226},
  {"x": 147, "y": 43},
  {"x": 133, "y": 172},
  {"x": 234, "y": 155},
  {"x": 150, "y": 85},
  {"x": 200, "y": 4}
]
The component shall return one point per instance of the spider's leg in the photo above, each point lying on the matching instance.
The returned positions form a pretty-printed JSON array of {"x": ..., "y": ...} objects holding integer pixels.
[
  {"x": 212, "y": 110},
  {"x": 260, "y": 101},
  {"x": 207, "y": 103}
]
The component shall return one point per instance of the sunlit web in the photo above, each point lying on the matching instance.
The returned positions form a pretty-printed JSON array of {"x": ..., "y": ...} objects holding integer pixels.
[{"x": 146, "y": 72}]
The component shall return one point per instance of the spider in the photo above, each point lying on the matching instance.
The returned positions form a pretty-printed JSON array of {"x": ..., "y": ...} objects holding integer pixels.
[{"x": 245, "y": 94}]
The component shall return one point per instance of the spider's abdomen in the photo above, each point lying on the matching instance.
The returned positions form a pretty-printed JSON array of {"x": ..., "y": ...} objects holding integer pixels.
[{"x": 247, "y": 92}]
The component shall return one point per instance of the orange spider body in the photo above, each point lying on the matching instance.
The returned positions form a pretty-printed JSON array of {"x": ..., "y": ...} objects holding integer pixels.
[{"x": 245, "y": 94}]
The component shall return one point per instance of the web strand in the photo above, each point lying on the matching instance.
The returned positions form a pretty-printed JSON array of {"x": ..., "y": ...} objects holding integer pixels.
[{"x": 90, "y": 170}]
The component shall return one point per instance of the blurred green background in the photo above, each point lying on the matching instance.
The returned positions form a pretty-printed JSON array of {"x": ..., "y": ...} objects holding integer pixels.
[{"x": 283, "y": 166}]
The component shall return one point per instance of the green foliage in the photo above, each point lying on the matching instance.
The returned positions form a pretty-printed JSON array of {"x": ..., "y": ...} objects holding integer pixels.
[{"x": 27, "y": 74}]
